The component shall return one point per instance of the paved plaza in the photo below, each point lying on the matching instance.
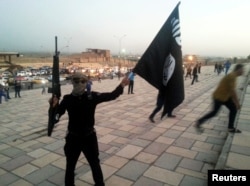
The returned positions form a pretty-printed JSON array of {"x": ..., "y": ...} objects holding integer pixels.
[{"x": 133, "y": 151}]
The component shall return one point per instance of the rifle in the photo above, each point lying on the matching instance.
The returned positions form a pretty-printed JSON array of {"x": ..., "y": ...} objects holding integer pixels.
[{"x": 55, "y": 90}]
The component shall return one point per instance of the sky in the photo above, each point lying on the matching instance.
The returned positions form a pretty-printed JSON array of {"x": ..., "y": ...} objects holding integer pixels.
[{"x": 208, "y": 27}]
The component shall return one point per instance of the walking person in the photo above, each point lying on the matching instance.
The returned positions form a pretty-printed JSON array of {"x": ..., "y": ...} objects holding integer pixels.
[
  {"x": 227, "y": 66},
  {"x": 195, "y": 75},
  {"x": 88, "y": 86},
  {"x": 17, "y": 88},
  {"x": 225, "y": 94},
  {"x": 189, "y": 72},
  {"x": 2, "y": 93},
  {"x": 43, "y": 89},
  {"x": 131, "y": 78},
  {"x": 81, "y": 135},
  {"x": 215, "y": 67},
  {"x": 7, "y": 89},
  {"x": 199, "y": 67}
]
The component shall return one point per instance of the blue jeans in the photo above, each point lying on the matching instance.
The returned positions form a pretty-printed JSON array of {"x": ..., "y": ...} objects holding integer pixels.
[{"x": 2, "y": 93}]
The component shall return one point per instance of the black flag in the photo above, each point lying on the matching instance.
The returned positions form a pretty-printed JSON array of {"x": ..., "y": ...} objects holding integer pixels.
[{"x": 161, "y": 64}]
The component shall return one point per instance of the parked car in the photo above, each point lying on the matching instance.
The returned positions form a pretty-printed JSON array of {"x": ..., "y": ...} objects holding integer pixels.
[
  {"x": 6, "y": 74},
  {"x": 39, "y": 80},
  {"x": 60, "y": 78},
  {"x": 21, "y": 73}
]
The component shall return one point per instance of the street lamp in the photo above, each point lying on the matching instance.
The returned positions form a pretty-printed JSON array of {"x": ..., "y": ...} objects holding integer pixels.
[{"x": 120, "y": 43}]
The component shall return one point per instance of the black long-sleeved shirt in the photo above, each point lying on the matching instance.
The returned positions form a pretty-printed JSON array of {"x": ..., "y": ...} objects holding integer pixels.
[{"x": 81, "y": 109}]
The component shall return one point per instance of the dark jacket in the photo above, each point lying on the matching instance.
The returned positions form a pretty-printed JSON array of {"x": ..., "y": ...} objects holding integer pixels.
[{"x": 81, "y": 109}]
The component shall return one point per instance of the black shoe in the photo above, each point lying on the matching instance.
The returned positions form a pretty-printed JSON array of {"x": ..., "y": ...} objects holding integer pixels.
[
  {"x": 172, "y": 116},
  {"x": 197, "y": 126},
  {"x": 234, "y": 130}
]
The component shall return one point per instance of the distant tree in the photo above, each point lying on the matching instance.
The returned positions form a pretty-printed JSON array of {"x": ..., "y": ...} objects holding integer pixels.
[{"x": 248, "y": 57}]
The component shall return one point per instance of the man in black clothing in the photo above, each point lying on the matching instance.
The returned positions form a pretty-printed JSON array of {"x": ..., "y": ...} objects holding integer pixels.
[
  {"x": 195, "y": 74},
  {"x": 81, "y": 134}
]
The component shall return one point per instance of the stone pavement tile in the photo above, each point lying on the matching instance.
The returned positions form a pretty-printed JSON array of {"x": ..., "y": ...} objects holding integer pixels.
[
  {"x": 121, "y": 133},
  {"x": 140, "y": 142},
  {"x": 4, "y": 159},
  {"x": 167, "y": 123},
  {"x": 132, "y": 170},
  {"x": 144, "y": 181},
  {"x": 184, "y": 142},
  {"x": 156, "y": 148},
  {"x": 238, "y": 161},
  {"x": 121, "y": 140},
  {"x": 113, "y": 148},
  {"x": 240, "y": 149},
  {"x": 179, "y": 128},
  {"x": 8, "y": 178},
  {"x": 215, "y": 140},
  {"x": 242, "y": 139},
  {"x": 60, "y": 162},
  {"x": 146, "y": 157},
  {"x": 203, "y": 145},
  {"x": 191, "y": 164},
  {"x": 165, "y": 140},
  {"x": 46, "y": 159},
  {"x": 192, "y": 173},
  {"x": 158, "y": 130},
  {"x": 191, "y": 181},
  {"x": 208, "y": 157},
  {"x": 46, "y": 183},
  {"x": 59, "y": 144},
  {"x": 2, "y": 171},
  {"x": 127, "y": 127},
  {"x": 168, "y": 161},
  {"x": 107, "y": 138},
  {"x": 117, "y": 180},
  {"x": 116, "y": 161},
  {"x": 207, "y": 167},
  {"x": 42, "y": 174},
  {"x": 163, "y": 175},
  {"x": 107, "y": 172},
  {"x": 25, "y": 170},
  {"x": 79, "y": 182},
  {"x": 27, "y": 145},
  {"x": 103, "y": 130},
  {"x": 21, "y": 183},
  {"x": 129, "y": 151},
  {"x": 46, "y": 140},
  {"x": 172, "y": 133},
  {"x": 38, "y": 153},
  {"x": 58, "y": 178},
  {"x": 182, "y": 152},
  {"x": 17, "y": 162},
  {"x": 194, "y": 136}
]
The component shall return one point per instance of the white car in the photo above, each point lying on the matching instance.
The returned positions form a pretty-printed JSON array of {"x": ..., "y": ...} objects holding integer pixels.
[
  {"x": 60, "y": 78},
  {"x": 6, "y": 74},
  {"x": 21, "y": 73}
]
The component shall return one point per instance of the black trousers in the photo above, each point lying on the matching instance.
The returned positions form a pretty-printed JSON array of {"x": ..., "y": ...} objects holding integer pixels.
[
  {"x": 216, "y": 106},
  {"x": 131, "y": 87},
  {"x": 73, "y": 148},
  {"x": 195, "y": 78}
]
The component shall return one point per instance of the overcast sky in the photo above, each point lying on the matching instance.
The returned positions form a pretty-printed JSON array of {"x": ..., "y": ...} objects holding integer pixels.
[{"x": 208, "y": 27}]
